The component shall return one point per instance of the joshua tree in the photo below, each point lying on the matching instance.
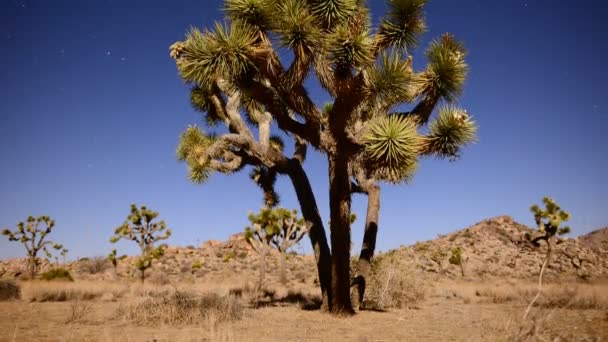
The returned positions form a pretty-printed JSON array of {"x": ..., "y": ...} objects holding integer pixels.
[
  {"x": 548, "y": 221},
  {"x": 34, "y": 239},
  {"x": 278, "y": 227},
  {"x": 139, "y": 228},
  {"x": 239, "y": 80},
  {"x": 457, "y": 258}
]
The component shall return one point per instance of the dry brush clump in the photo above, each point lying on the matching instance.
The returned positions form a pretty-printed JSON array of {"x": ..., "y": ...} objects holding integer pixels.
[
  {"x": 93, "y": 265},
  {"x": 393, "y": 284},
  {"x": 181, "y": 307},
  {"x": 37, "y": 291},
  {"x": 9, "y": 290}
]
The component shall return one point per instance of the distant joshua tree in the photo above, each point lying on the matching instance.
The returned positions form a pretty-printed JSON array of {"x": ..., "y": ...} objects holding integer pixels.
[
  {"x": 34, "y": 239},
  {"x": 458, "y": 258},
  {"x": 548, "y": 221},
  {"x": 279, "y": 228},
  {"x": 139, "y": 228}
]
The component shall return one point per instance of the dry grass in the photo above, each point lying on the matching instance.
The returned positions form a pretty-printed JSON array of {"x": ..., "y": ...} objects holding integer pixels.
[
  {"x": 9, "y": 290},
  {"x": 181, "y": 308},
  {"x": 393, "y": 284},
  {"x": 571, "y": 295},
  {"x": 39, "y": 291},
  {"x": 78, "y": 311}
]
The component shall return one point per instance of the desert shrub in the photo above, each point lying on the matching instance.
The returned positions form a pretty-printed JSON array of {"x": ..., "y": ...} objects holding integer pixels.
[
  {"x": 196, "y": 265},
  {"x": 228, "y": 256},
  {"x": 392, "y": 284},
  {"x": 57, "y": 274},
  {"x": 182, "y": 308},
  {"x": 9, "y": 290},
  {"x": 94, "y": 265},
  {"x": 78, "y": 311}
]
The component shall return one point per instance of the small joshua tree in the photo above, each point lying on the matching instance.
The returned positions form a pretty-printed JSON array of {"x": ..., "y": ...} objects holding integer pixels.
[
  {"x": 139, "y": 228},
  {"x": 548, "y": 221},
  {"x": 34, "y": 239},
  {"x": 278, "y": 227},
  {"x": 457, "y": 258}
]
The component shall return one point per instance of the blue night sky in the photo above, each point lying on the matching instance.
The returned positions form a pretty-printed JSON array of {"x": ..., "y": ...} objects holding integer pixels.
[{"x": 92, "y": 108}]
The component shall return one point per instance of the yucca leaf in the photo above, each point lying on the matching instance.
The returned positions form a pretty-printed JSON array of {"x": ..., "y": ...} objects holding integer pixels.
[
  {"x": 447, "y": 69},
  {"x": 333, "y": 12},
  {"x": 452, "y": 130},
  {"x": 347, "y": 49},
  {"x": 391, "y": 81},
  {"x": 403, "y": 25},
  {"x": 223, "y": 52},
  {"x": 256, "y": 13},
  {"x": 391, "y": 148}
]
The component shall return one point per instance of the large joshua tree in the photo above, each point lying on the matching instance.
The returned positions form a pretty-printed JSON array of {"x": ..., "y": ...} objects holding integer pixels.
[{"x": 238, "y": 79}]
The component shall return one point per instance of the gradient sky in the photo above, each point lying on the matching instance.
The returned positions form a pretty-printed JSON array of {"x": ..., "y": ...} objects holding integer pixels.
[{"x": 92, "y": 108}]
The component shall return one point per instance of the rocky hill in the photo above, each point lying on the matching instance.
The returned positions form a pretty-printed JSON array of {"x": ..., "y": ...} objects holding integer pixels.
[
  {"x": 493, "y": 248},
  {"x": 497, "y": 248}
]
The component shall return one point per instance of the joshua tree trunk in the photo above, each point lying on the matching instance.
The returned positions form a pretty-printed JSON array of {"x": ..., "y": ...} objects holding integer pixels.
[
  {"x": 462, "y": 268},
  {"x": 143, "y": 276},
  {"x": 262, "y": 269},
  {"x": 540, "y": 279},
  {"x": 339, "y": 203},
  {"x": 369, "y": 244},
  {"x": 32, "y": 266},
  {"x": 282, "y": 276},
  {"x": 316, "y": 232}
]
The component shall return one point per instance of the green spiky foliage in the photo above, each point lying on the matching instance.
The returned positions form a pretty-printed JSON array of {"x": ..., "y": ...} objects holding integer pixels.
[
  {"x": 374, "y": 129},
  {"x": 549, "y": 222},
  {"x": 392, "y": 145},
  {"x": 277, "y": 228},
  {"x": 140, "y": 229},
  {"x": 457, "y": 258},
  {"x": 113, "y": 259},
  {"x": 452, "y": 129},
  {"x": 33, "y": 235}
]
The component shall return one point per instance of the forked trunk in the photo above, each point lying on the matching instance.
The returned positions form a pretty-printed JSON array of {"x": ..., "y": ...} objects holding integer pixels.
[
  {"x": 316, "y": 232},
  {"x": 339, "y": 204},
  {"x": 368, "y": 247}
]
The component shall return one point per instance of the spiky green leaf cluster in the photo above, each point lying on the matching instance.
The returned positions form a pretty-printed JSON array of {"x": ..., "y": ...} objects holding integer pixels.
[
  {"x": 192, "y": 149},
  {"x": 349, "y": 49},
  {"x": 391, "y": 81},
  {"x": 200, "y": 100},
  {"x": 452, "y": 130},
  {"x": 296, "y": 26},
  {"x": 333, "y": 12},
  {"x": 222, "y": 53},
  {"x": 550, "y": 218},
  {"x": 403, "y": 25},
  {"x": 256, "y": 13},
  {"x": 266, "y": 178},
  {"x": 447, "y": 69},
  {"x": 391, "y": 147}
]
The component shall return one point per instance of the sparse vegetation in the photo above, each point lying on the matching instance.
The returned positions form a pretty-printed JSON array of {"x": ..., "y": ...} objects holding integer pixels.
[
  {"x": 9, "y": 290},
  {"x": 181, "y": 308},
  {"x": 457, "y": 258},
  {"x": 94, "y": 265},
  {"x": 140, "y": 229},
  {"x": 34, "y": 238},
  {"x": 393, "y": 284},
  {"x": 548, "y": 221},
  {"x": 274, "y": 227},
  {"x": 59, "y": 273}
]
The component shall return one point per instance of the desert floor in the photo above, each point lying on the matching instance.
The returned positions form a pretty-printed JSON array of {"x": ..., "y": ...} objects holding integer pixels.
[{"x": 450, "y": 313}]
